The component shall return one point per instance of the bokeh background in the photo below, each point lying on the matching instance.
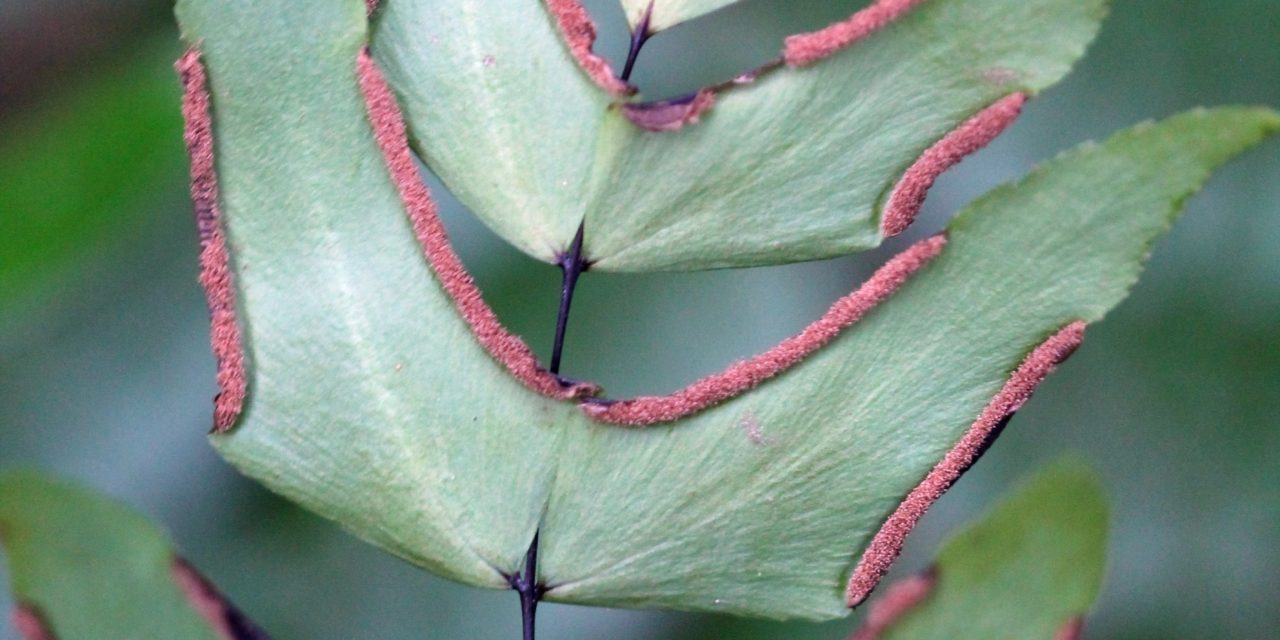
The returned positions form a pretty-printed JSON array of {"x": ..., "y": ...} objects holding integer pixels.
[{"x": 106, "y": 376}]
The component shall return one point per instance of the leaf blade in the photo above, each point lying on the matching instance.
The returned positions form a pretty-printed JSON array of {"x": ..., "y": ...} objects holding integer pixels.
[
  {"x": 793, "y": 167},
  {"x": 697, "y": 515},
  {"x": 859, "y": 423},
  {"x": 826, "y": 144},
  {"x": 403, "y": 433},
  {"x": 90, "y": 568}
]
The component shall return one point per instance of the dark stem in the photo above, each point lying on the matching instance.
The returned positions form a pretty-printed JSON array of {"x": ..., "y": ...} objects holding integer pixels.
[
  {"x": 526, "y": 582},
  {"x": 638, "y": 38},
  {"x": 530, "y": 591},
  {"x": 572, "y": 265}
]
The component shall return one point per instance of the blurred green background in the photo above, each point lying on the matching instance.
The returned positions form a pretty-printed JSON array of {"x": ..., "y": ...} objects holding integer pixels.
[{"x": 106, "y": 376}]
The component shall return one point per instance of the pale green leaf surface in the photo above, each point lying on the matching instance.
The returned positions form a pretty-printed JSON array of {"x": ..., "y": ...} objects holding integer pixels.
[
  {"x": 1025, "y": 570},
  {"x": 796, "y": 166},
  {"x": 372, "y": 404},
  {"x": 370, "y": 401},
  {"x": 92, "y": 568},
  {"x": 668, "y": 13},
  {"x": 698, "y": 516}
]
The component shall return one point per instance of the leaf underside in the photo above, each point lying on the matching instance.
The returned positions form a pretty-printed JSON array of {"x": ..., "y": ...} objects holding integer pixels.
[
  {"x": 89, "y": 568},
  {"x": 372, "y": 404},
  {"x": 795, "y": 166},
  {"x": 1026, "y": 571}
]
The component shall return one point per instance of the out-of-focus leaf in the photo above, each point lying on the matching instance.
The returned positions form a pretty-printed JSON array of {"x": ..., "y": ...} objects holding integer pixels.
[
  {"x": 796, "y": 166},
  {"x": 372, "y": 403},
  {"x": 88, "y": 568},
  {"x": 1027, "y": 571},
  {"x": 76, "y": 174},
  {"x": 668, "y": 13}
]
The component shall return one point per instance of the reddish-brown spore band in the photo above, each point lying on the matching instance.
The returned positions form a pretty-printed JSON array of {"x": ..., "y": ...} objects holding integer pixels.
[
  {"x": 977, "y": 132},
  {"x": 30, "y": 625},
  {"x": 506, "y": 348},
  {"x": 748, "y": 374},
  {"x": 807, "y": 48},
  {"x": 215, "y": 263},
  {"x": 579, "y": 33},
  {"x": 370, "y": 6},
  {"x": 1072, "y": 629},
  {"x": 887, "y": 543},
  {"x": 901, "y": 597}
]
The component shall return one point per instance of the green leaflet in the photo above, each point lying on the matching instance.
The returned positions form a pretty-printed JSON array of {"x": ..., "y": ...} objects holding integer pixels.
[
  {"x": 698, "y": 516},
  {"x": 90, "y": 567},
  {"x": 1025, "y": 571},
  {"x": 668, "y": 13},
  {"x": 370, "y": 401},
  {"x": 76, "y": 174},
  {"x": 372, "y": 404},
  {"x": 796, "y": 166}
]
